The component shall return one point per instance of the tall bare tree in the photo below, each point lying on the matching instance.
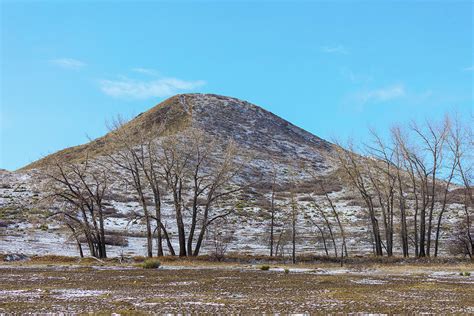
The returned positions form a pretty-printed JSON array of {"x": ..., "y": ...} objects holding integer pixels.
[
  {"x": 453, "y": 155},
  {"x": 432, "y": 138},
  {"x": 272, "y": 208},
  {"x": 294, "y": 217},
  {"x": 199, "y": 172},
  {"x": 353, "y": 168},
  {"x": 127, "y": 150},
  {"x": 402, "y": 180},
  {"x": 383, "y": 177},
  {"x": 80, "y": 190}
]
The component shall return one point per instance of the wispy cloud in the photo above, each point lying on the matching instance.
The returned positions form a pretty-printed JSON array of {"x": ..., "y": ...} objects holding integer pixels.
[
  {"x": 139, "y": 89},
  {"x": 146, "y": 71},
  {"x": 338, "y": 49},
  {"x": 381, "y": 95},
  {"x": 353, "y": 77},
  {"x": 68, "y": 63},
  {"x": 471, "y": 68}
]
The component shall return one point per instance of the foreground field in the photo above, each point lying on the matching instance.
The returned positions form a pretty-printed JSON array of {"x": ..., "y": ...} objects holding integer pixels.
[{"x": 224, "y": 288}]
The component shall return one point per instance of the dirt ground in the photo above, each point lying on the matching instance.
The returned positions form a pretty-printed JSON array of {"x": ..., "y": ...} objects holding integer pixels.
[{"x": 234, "y": 288}]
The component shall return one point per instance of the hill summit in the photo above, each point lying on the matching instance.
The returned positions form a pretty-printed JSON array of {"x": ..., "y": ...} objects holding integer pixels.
[{"x": 251, "y": 127}]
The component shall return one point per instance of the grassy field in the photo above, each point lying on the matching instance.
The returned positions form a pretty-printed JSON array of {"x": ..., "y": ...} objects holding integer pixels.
[{"x": 196, "y": 286}]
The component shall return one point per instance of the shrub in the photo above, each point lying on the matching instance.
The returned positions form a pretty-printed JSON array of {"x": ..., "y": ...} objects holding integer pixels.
[
  {"x": 150, "y": 264},
  {"x": 287, "y": 270},
  {"x": 465, "y": 273},
  {"x": 265, "y": 268},
  {"x": 44, "y": 227}
]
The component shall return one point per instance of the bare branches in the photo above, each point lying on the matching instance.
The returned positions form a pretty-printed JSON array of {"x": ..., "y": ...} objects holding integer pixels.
[{"x": 79, "y": 189}]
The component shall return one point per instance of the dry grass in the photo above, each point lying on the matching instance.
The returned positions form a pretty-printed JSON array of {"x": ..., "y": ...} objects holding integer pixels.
[{"x": 84, "y": 289}]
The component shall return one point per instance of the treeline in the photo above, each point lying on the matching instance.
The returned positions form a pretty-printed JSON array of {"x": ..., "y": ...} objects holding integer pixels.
[
  {"x": 408, "y": 183},
  {"x": 191, "y": 167},
  {"x": 413, "y": 178}
]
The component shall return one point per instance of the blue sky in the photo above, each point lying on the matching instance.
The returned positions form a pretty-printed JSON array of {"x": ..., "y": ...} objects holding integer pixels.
[{"x": 332, "y": 68}]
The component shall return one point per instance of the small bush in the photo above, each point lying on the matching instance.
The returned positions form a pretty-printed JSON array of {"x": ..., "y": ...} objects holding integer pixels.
[
  {"x": 287, "y": 271},
  {"x": 465, "y": 273},
  {"x": 265, "y": 268},
  {"x": 150, "y": 264},
  {"x": 44, "y": 227}
]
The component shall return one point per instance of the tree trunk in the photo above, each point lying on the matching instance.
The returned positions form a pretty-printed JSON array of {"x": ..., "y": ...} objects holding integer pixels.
[
  {"x": 404, "y": 231},
  {"x": 205, "y": 222},
  {"x": 293, "y": 239},
  {"x": 192, "y": 228},
  {"x": 179, "y": 219},
  {"x": 159, "y": 237},
  {"x": 181, "y": 234},
  {"x": 272, "y": 225},
  {"x": 375, "y": 227},
  {"x": 422, "y": 232},
  {"x": 149, "y": 235},
  {"x": 430, "y": 217},
  {"x": 102, "y": 233},
  {"x": 324, "y": 240},
  {"x": 168, "y": 240},
  {"x": 443, "y": 208},
  {"x": 194, "y": 211}
]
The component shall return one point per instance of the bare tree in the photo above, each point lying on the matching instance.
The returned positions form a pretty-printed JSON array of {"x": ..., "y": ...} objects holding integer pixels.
[
  {"x": 415, "y": 167},
  {"x": 294, "y": 217},
  {"x": 402, "y": 188},
  {"x": 221, "y": 236},
  {"x": 272, "y": 208},
  {"x": 466, "y": 173},
  {"x": 352, "y": 166},
  {"x": 128, "y": 152},
  {"x": 293, "y": 210},
  {"x": 198, "y": 177},
  {"x": 326, "y": 221},
  {"x": 454, "y": 144},
  {"x": 432, "y": 137},
  {"x": 382, "y": 175},
  {"x": 339, "y": 223},
  {"x": 153, "y": 171},
  {"x": 267, "y": 201},
  {"x": 175, "y": 162},
  {"x": 80, "y": 190},
  {"x": 220, "y": 186}
]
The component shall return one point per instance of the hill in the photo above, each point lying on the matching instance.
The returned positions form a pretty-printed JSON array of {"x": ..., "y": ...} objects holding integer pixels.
[{"x": 250, "y": 126}]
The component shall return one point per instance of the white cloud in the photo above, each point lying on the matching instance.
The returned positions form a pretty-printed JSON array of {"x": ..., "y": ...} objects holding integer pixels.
[
  {"x": 381, "y": 95},
  {"x": 68, "y": 63},
  {"x": 138, "y": 89},
  {"x": 339, "y": 49}
]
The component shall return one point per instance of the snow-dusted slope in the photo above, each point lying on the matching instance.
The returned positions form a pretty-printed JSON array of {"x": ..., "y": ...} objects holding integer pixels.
[{"x": 251, "y": 127}]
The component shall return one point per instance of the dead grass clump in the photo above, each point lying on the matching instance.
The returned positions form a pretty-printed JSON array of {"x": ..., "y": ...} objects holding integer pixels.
[
  {"x": 139, "y": 259},
  {"x": 53, "y": 259}
]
